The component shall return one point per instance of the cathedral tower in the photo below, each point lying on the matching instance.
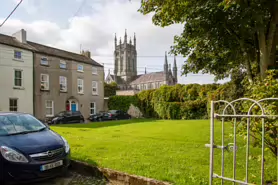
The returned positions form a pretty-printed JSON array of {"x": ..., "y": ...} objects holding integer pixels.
[{"x": 125, "y": 59}]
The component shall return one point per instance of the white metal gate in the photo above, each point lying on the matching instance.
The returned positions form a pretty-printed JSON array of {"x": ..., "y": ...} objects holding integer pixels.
[{"x": 233, "y": 146}]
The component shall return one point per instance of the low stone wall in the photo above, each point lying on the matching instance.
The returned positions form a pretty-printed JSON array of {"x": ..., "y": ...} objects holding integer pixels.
[{"x": 114, "y": 177}]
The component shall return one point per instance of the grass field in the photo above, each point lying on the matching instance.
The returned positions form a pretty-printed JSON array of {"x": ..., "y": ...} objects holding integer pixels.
[{"x": 165, "y": 150}]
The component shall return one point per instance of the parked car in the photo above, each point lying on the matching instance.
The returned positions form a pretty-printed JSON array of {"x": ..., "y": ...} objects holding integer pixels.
[
  {"x": 29, "y": 150},
  {"x": 118, "y": 115},
  {"x": 110, "y": 115},
  {"x": 67, "y": 117}
]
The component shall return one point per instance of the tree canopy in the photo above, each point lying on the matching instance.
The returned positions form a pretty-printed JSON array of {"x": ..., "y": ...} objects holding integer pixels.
[{"x": 221, "y": 36}]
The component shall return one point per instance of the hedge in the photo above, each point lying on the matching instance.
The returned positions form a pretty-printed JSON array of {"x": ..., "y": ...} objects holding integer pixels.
[
  {"x": 122, "y": 102},
  {"x": 168, "y": 102}
]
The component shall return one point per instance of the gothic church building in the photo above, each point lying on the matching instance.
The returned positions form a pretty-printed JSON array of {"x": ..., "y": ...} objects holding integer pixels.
[{"x": 125, "y": 69}]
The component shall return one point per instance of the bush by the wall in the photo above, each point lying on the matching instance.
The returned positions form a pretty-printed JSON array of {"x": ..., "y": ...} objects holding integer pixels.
[
  {"x": 122, "y": 102},
  {"x": 192, "y": 109}
]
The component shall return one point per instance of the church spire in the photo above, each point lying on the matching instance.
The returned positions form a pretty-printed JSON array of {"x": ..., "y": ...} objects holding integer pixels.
[
  {"x": 166, "y": 67},
  {"x": 125, "y": 39},
  {"x": 115, "y": 40},
  {"x": 145, "y": 70},
  {"x": 175, "y": 70},
  {"x": 134, "y": 40},
  {"x": 130, "y": 42}
]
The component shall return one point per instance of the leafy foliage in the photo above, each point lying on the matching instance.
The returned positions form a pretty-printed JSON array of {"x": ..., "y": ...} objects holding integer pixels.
[
  {"x": 110, "y": 89},
  {"x": 268, "y": 88},
  {"x": 168, "y": 102},
  {"x": 122, "y": 102},
  {"x": 220, "y": 35}
]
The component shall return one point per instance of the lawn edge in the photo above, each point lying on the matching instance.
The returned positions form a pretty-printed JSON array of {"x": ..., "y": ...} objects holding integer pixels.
[{"x": 113, "y": 175}]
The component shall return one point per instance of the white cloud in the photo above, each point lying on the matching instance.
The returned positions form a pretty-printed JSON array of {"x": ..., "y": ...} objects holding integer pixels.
[{"x": 95, "y": 32}]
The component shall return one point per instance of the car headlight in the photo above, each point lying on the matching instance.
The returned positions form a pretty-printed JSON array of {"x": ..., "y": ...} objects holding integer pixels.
[
  {"x": 67, "y": 147},
  {"x": 12, "y": 155}
]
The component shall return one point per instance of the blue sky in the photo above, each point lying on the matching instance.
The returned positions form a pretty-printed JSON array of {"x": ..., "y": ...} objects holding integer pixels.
[{"x": 91, "y": 24}]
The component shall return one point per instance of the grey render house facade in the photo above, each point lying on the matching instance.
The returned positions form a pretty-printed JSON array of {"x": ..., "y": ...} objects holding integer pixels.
[{"x": 66, "y": 81}]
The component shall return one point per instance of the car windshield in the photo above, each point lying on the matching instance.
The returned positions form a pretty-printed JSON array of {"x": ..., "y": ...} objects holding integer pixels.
[
  {"x": 61, "y": 113},
  {"x": 19, "y": 124}
]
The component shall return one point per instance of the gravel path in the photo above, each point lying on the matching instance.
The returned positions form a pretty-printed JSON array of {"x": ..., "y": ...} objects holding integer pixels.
[{"x": 74, "y": 179}]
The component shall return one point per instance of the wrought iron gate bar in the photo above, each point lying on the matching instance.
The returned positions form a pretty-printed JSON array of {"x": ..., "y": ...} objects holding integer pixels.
[
  {"x": 229, "y": 147},
  {"x": 245, "y": 116},
  {"x": 230, "y": 179}
]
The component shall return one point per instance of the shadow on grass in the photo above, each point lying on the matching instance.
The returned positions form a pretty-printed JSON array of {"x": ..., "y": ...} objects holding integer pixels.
[{"x": 105, "y": 123}]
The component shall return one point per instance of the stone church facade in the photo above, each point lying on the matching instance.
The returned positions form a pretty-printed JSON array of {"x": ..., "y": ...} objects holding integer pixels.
[{"x": 125, "y": 69}]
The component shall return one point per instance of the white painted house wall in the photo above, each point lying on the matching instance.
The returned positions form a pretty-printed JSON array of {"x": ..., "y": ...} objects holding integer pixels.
[{"x": 8, "y": 64}]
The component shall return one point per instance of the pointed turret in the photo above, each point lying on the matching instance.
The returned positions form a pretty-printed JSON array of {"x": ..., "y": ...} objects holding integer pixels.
[
  {"x": 134, "y": 40},
  {"x": 166, "y": 67},
  {"x": 130, "y": 42},
  {"x": 115, "y": 40},
  {"x": 175, "y": 70},
  {"x": 145, "y": 70},
  {"x": 170, "y": 71},
  {"x": 125, "y": 39}
]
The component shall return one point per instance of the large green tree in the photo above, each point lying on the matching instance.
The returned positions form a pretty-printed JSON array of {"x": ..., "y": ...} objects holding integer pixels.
[{"x": 221, "y": 36}]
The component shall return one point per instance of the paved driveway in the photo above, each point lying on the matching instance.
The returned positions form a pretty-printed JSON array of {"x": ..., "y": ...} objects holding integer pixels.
[{"x": 73, "y": 179}]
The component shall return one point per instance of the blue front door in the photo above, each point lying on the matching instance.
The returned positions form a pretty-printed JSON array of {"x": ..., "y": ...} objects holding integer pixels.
[{"x": 73, "y": 107}]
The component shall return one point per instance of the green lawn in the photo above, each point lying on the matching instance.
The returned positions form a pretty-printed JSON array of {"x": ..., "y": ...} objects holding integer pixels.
[{"x": 165, "y": 150}]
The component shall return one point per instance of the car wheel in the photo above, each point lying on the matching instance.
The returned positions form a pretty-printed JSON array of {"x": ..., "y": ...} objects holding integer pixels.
[
  {"x": 81, "y": 121},
  {"x": 99, "y": 119}
]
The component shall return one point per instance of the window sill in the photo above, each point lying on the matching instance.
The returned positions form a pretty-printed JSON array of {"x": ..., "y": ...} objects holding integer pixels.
[
  {"x": 18, "y": 60},
  {"x": 19, "y": 88},
  {"x": 80, "y": 71},
  {"x": 46, "y": 65},
  {"x": 81, "y": 93},
  {"x": 45, "y": 90},
  {"x": 95, "y": 94},
  {"x": 94, "y": 74},
  {"x": 49, "y": 116},
  {"x": 63, "y": 91}
]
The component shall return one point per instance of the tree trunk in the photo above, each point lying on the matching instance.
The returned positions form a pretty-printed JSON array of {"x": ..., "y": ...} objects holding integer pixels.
[
  {"x": 249, "y": 71},
  {"x": 266, "y": 40},
  {"x": 264, "y": 54}
]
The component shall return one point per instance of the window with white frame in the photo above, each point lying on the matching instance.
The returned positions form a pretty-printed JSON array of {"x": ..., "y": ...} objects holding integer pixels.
[
  {"x": 49, "y": 108},
  {"x": 18, "y": 78},
  {"x": 94, "y": 70},
  {"x": 94, "y": 88},
  {"x": 63, "y": 64},
  {"x": 92, "y": 108},
  {"x": 44, "y": 82},
  {"x": 63, "y": 83},
  {"x": 13, "y": 104},
  {"x": 145, "y": 86},
  {"x": 44, "y": 61},
  {"x": 80, "y": 86},
  {"x": 17, "y": 54},
  {"x": 80, "y": 68}
]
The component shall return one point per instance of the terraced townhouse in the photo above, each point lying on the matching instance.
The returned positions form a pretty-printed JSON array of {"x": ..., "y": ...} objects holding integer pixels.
[{"x": 44, "y": 81}]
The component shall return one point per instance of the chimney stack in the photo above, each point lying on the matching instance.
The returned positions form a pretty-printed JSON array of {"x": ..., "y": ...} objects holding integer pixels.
[
  {"x": 86, "y": 53},
  {"x": 21, "y": 36}
]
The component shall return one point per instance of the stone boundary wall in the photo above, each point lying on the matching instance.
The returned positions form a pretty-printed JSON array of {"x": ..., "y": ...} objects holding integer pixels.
[{"x": 113, "y": 176}]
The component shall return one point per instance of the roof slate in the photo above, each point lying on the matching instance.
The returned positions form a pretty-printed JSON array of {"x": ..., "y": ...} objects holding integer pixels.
[
  {"x": 150, "y": 77},
  {"x": 35, "y": 47}
]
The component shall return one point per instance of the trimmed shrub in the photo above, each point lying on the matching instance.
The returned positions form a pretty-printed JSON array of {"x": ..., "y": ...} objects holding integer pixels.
[{"x": 122, "y": 102}]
